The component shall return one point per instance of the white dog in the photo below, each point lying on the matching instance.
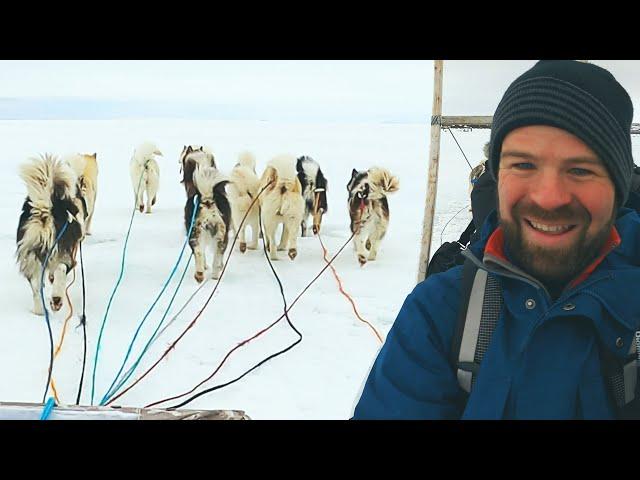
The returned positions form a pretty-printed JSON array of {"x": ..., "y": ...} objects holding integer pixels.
[
  {"x": 145, "y": 174},
  {"x": 281, "y": 203},
  {"x": 52, "y": 200},
  {"x": 243, "y": 189},
  {"x": 369, "y": 209}
]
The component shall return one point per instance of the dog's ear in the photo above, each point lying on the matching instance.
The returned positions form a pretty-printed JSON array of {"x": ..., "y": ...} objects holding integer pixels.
[
  {"x": 189, "y": 149},
  {"x": 354, "y": 172}
]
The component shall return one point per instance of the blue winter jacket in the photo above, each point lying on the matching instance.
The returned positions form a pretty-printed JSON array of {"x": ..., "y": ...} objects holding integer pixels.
[{"x": 542, "y": 363}]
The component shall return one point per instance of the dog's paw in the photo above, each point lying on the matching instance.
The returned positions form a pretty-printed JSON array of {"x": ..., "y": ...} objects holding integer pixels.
[
  {"x": 199, "y": 276},
  {"x": 141, "y": 208},
  {"x": 368, "y": 245},
  {"x": 281, "y": 248},
  {"x": 362, "y": 259},
  {"x": 253, "y": 246},
  {"x": 216, "y": 274},
  {"x": 316, "y": 229},
  {"x": 293, "y": 253},
  {"x": 37, "y": 310},
  {"x": 243, "y": 247}
]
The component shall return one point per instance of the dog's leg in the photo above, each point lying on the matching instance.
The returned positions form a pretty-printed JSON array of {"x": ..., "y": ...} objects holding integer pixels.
[
  {"x": 285, "y": 237},
  {"x": 195, "y": 242},
  {"x": 140, "y": 198},
  {"x": 376, "y": 236},
  {"x": 34, "y": 281},
  {"x": 255, "y": 229},
  {"x": 88, "y": 224},
  {"x": 92, "y": 208},
  {"x": 270, "y": 234},
  {"x": 292, "y": 238},
  {"x": 241, "y": 232},
  {"x": 152, "y": 181},
  {"x": 303, "y": 225},
  {"x": 220, "y": 246},
  {"x": 148, "y": 210},
  {"x": 359, "y": 244}
]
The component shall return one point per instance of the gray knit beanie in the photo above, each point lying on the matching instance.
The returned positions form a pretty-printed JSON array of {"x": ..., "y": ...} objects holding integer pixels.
[{"x": 581, "y": 98}]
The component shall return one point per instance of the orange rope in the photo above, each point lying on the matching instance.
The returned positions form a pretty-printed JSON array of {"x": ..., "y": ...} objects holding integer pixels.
[
  {"x": 335, "y": 274},
  {"x": 64, "y": 331},
  {"x": 55, "y": 392}
]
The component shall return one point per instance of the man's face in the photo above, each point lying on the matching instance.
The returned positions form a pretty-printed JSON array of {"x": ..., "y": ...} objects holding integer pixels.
[{"x": 555, "y": 202}]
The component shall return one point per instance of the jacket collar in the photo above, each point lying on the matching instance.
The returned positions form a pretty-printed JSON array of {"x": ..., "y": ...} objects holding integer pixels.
[{"x": 618, "y": 261}]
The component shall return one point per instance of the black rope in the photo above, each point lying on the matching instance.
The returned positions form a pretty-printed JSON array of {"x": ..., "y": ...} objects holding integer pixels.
[
  {"x": 83, "y": 322},
  {"x": 445, "y": 225},
  {"x": 286, "y": 314},
  {"x": 465, "y": 157}
]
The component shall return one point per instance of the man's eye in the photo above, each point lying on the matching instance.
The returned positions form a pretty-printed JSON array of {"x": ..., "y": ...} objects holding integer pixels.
[
  {"x": 524, "y": 166},
  {"x": 581, "y": 172}
]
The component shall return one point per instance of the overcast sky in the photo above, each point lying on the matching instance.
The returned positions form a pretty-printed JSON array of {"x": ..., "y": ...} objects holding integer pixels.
[{"x": 345, "y": 89}]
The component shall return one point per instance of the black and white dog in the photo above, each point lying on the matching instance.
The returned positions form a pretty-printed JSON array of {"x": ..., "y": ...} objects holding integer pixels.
[
  {"x": 314, "y": 192},
  {"x": 212, "y": 221},
  {"x": 369, "y": 209},
  {"x": 53, "y": 198}
]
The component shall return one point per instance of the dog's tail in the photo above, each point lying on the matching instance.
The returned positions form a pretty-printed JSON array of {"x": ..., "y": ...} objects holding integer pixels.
[
  {"x": 145, "y": 151},
  {"x": 205, "y": 179},
  {"x": 46, "y": 179},
  {"x": 281, "y": 175},
  {"x": 247, "y": 159},
  {"x": 382, "y": 182}
]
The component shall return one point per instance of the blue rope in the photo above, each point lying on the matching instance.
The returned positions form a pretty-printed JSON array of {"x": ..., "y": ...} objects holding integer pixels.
[
  {"x": 106, "y": 313},
  {"x": 111, "y": 391},
  {"x": 46, "y": 312},
  {"x": 48, "y": 408},
  {"x": 153, "y": 336}
]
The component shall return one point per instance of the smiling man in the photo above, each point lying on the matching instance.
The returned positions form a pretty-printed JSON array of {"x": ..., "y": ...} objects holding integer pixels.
[{"x": 541, "y": 320}]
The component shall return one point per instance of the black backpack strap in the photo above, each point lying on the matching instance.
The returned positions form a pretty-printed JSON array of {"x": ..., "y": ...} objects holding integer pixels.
[
  {"x": 621, "y": 379},
  {"x": 466, "y": 235},
  {"x": 480, "y": 306}
]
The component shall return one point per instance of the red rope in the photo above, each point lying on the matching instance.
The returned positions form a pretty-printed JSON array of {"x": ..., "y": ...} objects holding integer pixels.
[
  {"x": 257, "y": 334},
  {"x": 348, "y": 297}
]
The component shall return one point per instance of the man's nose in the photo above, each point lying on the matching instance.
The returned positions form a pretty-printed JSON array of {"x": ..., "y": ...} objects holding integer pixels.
[{"x": 550, "y": 191}]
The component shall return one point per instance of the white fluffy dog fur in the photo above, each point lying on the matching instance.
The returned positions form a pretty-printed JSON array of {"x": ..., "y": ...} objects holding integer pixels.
[
  {"x": 52, "y": 199},
  {"x": 369, "y": 209},
  {"x": 281, "y": 203},
  {"x": 85, "y": 167},
  {"x": 143, "y": 164},
  {"x": 190, "y": 157},
  {"x": 242, "y": 190}
]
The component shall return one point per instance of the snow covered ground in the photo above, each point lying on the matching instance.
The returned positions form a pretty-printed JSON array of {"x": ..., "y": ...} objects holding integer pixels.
[{"x": 318, "y": 379}]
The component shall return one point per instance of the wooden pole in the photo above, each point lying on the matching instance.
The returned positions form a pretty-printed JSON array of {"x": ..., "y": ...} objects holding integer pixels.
[{"x": 434, "y": 159}]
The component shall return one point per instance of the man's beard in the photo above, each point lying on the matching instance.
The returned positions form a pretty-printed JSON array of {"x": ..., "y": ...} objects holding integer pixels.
[{"x": 554, "y": 267}]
